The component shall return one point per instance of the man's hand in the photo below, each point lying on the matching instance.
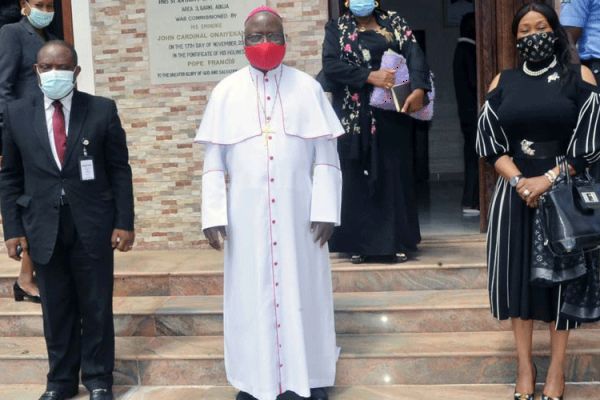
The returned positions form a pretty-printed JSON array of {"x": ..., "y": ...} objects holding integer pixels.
[
  {"x": 414, "y": 102},
  {"x": 322, "y": 231},
  {"x": 13, "y": 244},
  {"x": 122, "y": 240},
  {"x": 383, "y": 78},
  {"x": 212, "y": 234}
]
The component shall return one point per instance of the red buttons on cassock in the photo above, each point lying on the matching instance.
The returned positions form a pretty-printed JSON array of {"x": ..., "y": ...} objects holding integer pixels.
[
  {"x": 271, "y": 158},
  {"x": 273, "y": 222},
  {"x": 268, "y": 97},
  {"x": 266, "y": 79},
  {"x": 276, "y": 283},
  {"x": 279, "y": 325},
  {"x": 277, "y": 305},
  {"x": 274, "y": 243},
  {"x": 273, "y": 180},
  {"x": 268, "y": 118},
  {"x": 270, "y": 137},
  {"x": 275, "y": 263},
  {"x": 273, "y": 201}
]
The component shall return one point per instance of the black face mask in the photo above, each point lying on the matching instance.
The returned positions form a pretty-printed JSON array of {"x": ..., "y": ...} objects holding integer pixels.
[{"x": 537, "y": 47}]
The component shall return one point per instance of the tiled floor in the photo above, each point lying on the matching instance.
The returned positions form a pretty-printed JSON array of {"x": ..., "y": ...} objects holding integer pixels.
[{"x": 440, "y": 211}]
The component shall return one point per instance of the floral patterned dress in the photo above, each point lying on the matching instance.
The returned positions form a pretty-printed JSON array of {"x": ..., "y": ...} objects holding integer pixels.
[{"x": 379, "y": 210}]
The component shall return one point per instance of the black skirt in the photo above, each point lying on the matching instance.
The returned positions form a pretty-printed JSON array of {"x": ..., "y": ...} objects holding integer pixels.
[
  {"x": 509, "y": 258},
  {"x": 382, "y": 218}
]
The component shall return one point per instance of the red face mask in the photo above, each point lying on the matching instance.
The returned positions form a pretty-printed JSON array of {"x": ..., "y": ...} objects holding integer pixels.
[{"x": 265, "y": 56}]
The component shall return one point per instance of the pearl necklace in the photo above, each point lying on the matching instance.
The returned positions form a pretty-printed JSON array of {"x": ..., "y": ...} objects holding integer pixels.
[{"x": 541, "y": 71}]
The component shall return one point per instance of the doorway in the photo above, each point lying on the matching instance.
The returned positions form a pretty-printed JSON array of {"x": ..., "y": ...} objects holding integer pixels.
[{"x": 438, "y": 149}]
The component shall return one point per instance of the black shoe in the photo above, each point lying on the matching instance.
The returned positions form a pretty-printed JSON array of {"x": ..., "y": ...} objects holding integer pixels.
[
  {"x": 318, "y": 394},
  {"x": 244, "y": 396},
  {"x": 22, "y": 295},
  {"x": 357, "y": 259},
  {"x": 101, "y": 394},
  {"x": 55, "y": 395},
  {"x": 400, "y": 257},
  {"x": 289, "y": 395}
]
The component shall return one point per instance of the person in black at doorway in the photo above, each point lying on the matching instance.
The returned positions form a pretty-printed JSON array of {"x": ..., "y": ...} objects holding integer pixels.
[
  {"x": 379, "y": 206},
  {"x": 465, "y": 85}
]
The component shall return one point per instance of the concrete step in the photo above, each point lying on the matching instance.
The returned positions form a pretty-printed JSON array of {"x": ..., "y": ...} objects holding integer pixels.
[
  {"x": 453, "y": 265},
  {"x": 574, "y": 391},
  {"x": 356, "y": 313},
  {"x": 395, "y": 359}
]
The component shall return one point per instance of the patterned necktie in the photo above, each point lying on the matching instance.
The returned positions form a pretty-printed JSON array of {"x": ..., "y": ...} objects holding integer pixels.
[{"x": 60, "y": 133}]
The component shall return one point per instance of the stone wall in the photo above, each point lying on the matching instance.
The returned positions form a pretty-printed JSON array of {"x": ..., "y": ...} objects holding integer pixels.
[{"x": 160, "y": 120}]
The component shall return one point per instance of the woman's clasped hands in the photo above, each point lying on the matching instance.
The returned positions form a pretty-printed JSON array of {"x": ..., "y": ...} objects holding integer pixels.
[{"x": 530, "y": 189}]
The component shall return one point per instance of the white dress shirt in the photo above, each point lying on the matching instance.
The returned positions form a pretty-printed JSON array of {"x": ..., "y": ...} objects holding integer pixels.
[{"x": 66, "y": 103}]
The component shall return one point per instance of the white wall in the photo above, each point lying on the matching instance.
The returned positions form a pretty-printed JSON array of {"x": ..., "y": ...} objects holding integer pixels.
[
  {"x": 445, "y": 138},
  {"x": 82, "y": 31}
]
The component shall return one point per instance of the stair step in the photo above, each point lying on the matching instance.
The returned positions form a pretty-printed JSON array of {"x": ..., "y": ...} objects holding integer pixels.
[
  {"x": 574, "y": 391},
  {"x": 404, "y": 358},
  {"x": 459, "y": 265},
  {"x": 356, "y": 313}
]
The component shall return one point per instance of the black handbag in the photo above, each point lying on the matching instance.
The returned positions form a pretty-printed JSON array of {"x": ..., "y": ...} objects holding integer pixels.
[
  {"x": 570, "y": 213},
  {"x": 548, "y": 269}
]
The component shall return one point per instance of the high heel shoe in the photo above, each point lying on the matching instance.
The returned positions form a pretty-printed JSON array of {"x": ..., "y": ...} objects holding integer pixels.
[
  {"x": 544, "y": 397},
  {"x": 528, "y": 396},
  {"x": 22, "y": 295},
  {"x": 561, "y": 397}
]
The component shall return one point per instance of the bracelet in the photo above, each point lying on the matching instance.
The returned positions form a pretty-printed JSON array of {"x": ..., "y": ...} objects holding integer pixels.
[
  {"x": 551, "y": 176},
  {"x": 552, "y": 173}
]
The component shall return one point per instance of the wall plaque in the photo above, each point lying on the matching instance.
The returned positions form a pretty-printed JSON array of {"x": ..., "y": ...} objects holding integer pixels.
[{"x": 196, "y": 40}]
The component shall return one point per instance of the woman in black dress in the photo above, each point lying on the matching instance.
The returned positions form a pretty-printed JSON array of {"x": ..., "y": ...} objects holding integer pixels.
[
  {"x": 19, "y": 44},
  {"x": 533, "y": 118},
  {"x": 379, "y": 210}
]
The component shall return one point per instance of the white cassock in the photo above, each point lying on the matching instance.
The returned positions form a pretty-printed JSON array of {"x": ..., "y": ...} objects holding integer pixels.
[{"x": 278, "y": 302}]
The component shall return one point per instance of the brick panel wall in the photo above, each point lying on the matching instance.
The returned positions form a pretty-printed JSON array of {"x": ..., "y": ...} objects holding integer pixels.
[{"x": 160, "y": 120}]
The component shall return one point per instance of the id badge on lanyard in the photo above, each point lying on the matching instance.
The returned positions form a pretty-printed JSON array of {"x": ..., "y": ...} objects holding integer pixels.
[{"x": 86, "y": 164}]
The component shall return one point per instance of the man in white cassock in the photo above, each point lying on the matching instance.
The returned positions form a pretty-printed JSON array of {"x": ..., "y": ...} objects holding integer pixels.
[{"x": 270, "y": 133}]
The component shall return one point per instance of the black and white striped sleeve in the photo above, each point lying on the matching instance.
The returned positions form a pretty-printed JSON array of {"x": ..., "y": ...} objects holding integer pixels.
[
  {"x": 491, "y": 142},
  {"x": 585, "y": 142}
]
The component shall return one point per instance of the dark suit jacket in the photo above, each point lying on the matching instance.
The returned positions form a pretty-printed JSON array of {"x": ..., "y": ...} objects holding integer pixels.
[
  {"x": 19, "y": 45},
  {"x": 31, "y": 182}
]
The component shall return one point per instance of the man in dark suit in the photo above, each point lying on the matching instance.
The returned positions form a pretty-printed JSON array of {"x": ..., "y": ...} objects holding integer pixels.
[{"x": 67, "y": 199}]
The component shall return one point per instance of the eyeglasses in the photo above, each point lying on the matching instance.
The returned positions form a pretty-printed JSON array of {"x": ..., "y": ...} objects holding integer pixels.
[{"x": 256, "y": 38}]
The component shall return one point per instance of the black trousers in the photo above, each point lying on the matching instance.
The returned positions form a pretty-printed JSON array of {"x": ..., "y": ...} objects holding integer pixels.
[
  {"x": 76, "y": 293},
  {"x": 471, "y": 159}
]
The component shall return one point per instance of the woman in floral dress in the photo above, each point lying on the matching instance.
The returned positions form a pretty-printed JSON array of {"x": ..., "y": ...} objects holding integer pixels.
[{"x": 379, "y": 210}]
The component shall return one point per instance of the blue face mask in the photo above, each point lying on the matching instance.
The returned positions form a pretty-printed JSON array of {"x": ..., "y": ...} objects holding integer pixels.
[
  {"x": 39, "y": 19},
  {"x": 57, "y": 84},
  {"x": 362, "y": 8}
]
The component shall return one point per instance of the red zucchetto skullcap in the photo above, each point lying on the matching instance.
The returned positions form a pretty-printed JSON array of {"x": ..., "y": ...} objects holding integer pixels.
[{"x": 262, "y": 9}]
